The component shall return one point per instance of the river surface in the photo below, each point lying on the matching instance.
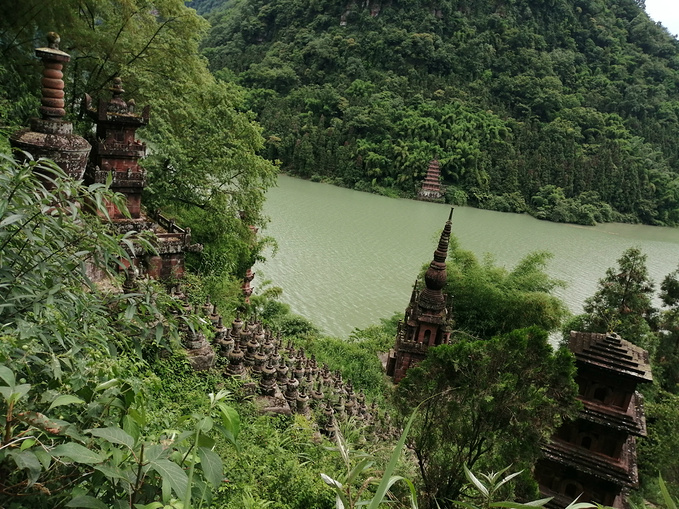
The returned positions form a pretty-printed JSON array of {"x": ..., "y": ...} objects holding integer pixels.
[{"x": 346, "y": 259}]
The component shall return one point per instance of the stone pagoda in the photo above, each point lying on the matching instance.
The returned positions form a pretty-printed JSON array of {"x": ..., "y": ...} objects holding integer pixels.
[
  {"x": 594, "y": 456},
  {"x": 431, "y": 186},
  {"x": 50, "y": 136},
  {"x": 117, "y": 153},
  {"x": 427, "y": 320}
]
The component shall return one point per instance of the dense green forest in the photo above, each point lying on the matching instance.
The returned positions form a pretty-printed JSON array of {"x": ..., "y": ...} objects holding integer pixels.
[
  {"x": 99, "y": 406},
  {"x": 567, "y": 109}
]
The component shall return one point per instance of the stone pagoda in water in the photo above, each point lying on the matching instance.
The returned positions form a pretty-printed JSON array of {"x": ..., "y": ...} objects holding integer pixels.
[
  {"x": 427, "y": 320},
  {"x": 594, "y": 456},
  {"x": 50, "y": 136},
  {"x": 431, "y": 186}
]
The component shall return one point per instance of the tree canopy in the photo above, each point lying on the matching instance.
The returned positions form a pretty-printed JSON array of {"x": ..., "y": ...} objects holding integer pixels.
[
  {"x": 204, "y": 166},
  {"x": 567, "y": 109},
  {"x": 489, "y": 300},
  {"x": 485, "y": 404},
  {"x": 623, "y": 302}
]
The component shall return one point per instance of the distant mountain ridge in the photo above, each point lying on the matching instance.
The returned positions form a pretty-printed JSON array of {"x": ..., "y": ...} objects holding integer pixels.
[{"x": 567, "y": 109}]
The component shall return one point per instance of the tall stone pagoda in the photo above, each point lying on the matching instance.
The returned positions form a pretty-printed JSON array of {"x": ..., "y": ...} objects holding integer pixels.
[
  {"x": 117, "y": 153},
  {"x": 594, "y": 456},
  {"x": 431, "y": 186},
  {"x": 50, "y": 136},
  {"x": 427, "y": 320}
]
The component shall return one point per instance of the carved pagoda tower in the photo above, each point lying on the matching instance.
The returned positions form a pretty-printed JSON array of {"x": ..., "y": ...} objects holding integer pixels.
[
  {"x": 116, "y": 151},
  {"x": 51, "y": 136},
  {"x": 431, "y": 186},
  {"x": 594, "y": 456},
  {"x": 427, "y": 320}
]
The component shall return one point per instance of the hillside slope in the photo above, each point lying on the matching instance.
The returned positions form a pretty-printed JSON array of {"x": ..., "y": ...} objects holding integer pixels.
[{"x": 568, "y": 109}]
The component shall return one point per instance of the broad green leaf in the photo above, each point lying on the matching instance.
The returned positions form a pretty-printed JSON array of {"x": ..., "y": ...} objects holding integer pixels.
[
  {"x": 19, "y": 391},
  {"x": 205, "y": 441},
  {"x": 6, "y": 392},
  {"x": 114, "y": 435},
  {"x": 29, "y": 461},
  {"x": 131, "y": 427},
  {"x": 212, "y": 467},
  {"x": 43, "y": 456},
  {"x": 65, "y": 399},
  {"x": 107, "y": 385},
  {"x": 230, "y": 419},
  {"x": 111, "y": 472},
  {"x": 155, "y": 452},
  {"x": 86, "y": 501},
  {"x": 27, "y": 444},
  {"x": 205, "y": 424},
  {"x": 228, "y": 435},
  {"x": 7, "y": 375},
  {"x": 77, "y": 453},
  {"x": 173, "y": 474}
]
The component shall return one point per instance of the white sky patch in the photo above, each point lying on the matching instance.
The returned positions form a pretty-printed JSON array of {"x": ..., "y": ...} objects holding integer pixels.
[{"x": 665, "y": 11}]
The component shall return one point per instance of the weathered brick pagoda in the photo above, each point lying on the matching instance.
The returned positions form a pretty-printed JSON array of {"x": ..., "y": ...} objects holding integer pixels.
[
  {"x": 594, "y": 456},
  {"x": 431, "y": 186},
  {"x": 116, "y": 152},
  {"x": 427, "y": 320}
]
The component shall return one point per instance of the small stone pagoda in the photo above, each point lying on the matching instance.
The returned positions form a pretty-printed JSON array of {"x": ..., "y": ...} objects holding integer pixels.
[
  {"x": 431, "y": 186},
  {"x": 50, "y": 136},
  {"x": 594, "y": 456},
  {"x": 427, "y": 320},
  {"x": 117, "y": 153}
]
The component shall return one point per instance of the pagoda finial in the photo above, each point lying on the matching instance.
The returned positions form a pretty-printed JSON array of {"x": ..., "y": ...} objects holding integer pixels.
[
  {"x": 52, "y": 101},
  {"x": 117, "y": 104}
]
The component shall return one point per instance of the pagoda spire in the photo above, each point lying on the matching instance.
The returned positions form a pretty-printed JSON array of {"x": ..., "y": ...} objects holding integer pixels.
[
  {"x": 427, "y": 320},
  {"x": 432, "y": 297}
]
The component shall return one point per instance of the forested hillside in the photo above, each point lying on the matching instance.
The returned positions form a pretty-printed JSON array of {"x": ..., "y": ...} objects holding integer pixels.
[{"x": 568, "y": 109}]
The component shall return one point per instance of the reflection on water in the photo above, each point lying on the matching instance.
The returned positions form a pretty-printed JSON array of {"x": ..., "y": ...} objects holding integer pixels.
[{"x": 347, "y": 259}]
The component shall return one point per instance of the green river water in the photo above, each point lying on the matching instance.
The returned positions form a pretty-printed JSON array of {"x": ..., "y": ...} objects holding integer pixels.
[{"x": 346, "y": 259}]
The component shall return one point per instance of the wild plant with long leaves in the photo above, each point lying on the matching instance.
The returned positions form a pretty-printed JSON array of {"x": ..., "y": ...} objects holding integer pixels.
[
  {"x": 487, "y": 488},
  {"x": 347, "y": 497}
]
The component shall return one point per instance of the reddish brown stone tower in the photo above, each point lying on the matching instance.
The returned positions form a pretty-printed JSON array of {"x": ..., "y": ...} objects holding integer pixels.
[
  {"x": 431, "y": 186},
  {"x": 51, "y": 136},
  {"x": 594, "y": 456},
  {"x": 427, "y": 320},
  {"x": 117, "y": 153},
  {"x": 116, "y": 150}
]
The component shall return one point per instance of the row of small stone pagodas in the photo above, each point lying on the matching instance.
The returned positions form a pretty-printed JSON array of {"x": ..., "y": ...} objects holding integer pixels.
[{"x": 283, "y": 379}]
